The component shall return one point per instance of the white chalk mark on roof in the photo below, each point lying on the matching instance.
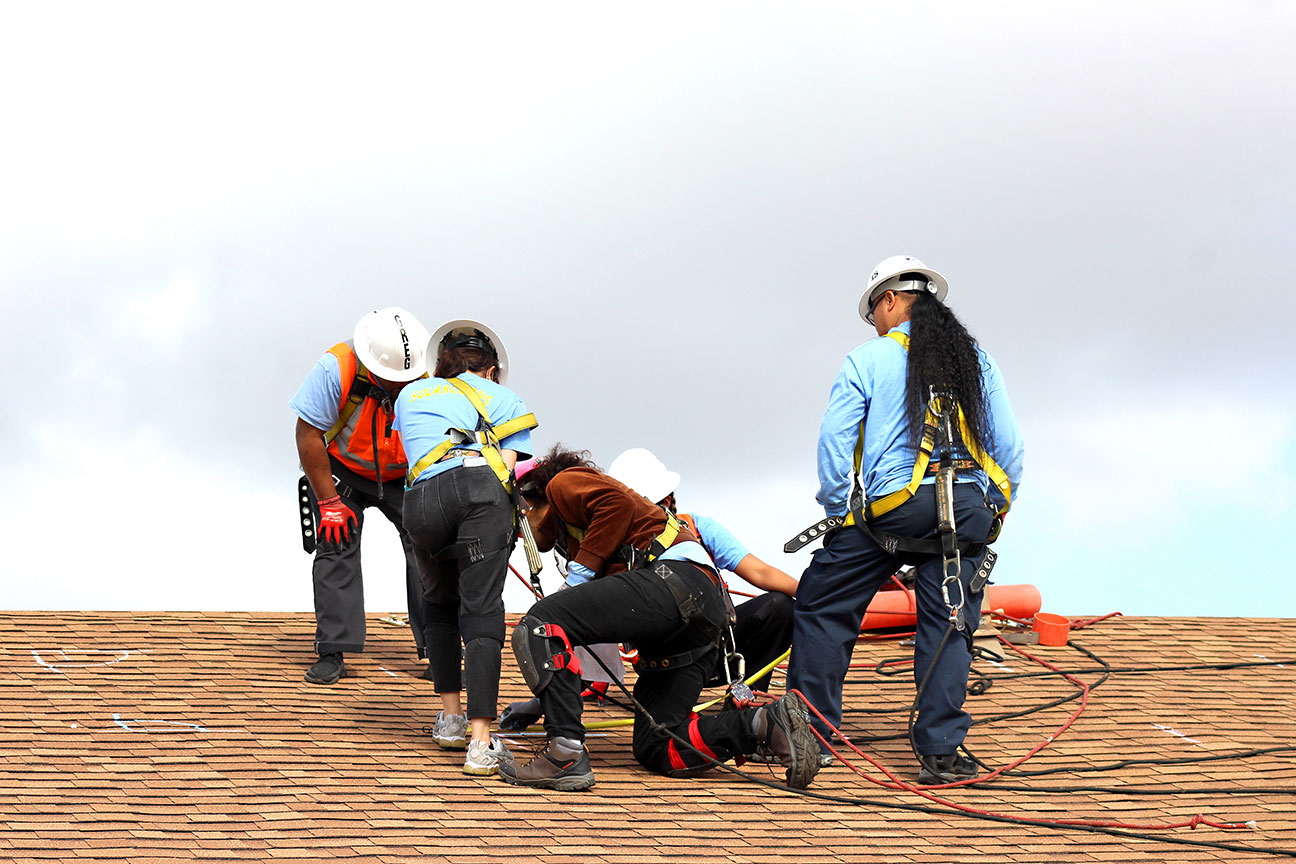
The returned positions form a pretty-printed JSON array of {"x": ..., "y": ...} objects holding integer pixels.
[
  {"x": 1176, "y": 733},
  {"x": 139, "y": 725},
  {"x": 66, "y": 661}
]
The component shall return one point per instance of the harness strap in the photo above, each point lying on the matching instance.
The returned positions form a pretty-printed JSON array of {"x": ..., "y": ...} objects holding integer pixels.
[
  {"x": 862, "y": 512},
  {"x": 477, "y": 549},
  {"x": 566, "y": 659},
  {"x": 656, "y": 548},
  {"x": 489, "y": 436},
  {"x": 902, "y": 547},
  {"x": 355, "y": 398},
  {"x": 673, "y": 661}
]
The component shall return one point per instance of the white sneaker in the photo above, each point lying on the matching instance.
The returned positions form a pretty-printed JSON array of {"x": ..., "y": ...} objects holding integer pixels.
[
  {"x": 450, "y": 731},
  {"x": 485, "y": 758}
]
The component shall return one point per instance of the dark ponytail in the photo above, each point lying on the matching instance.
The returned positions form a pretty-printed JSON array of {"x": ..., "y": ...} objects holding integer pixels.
[{"x": 943, "y": 354}]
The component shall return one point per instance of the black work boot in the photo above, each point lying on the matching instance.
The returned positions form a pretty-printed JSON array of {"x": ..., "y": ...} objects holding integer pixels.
[
  {"x": 327, "y": 669},
  {"x": 947, "y": 768},
  {"x": 784, "y": 728},
  {"x": 563, "y": 765}
]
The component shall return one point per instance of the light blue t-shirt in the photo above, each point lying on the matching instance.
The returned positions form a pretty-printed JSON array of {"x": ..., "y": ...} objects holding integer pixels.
[
  {"x": 428, "y": 408},
  {"x": 871, "y": 387},
  {"x": 690, "y": 551},
  {"x": 316, "y": 401},
  {"x": 723, "y": 547}
]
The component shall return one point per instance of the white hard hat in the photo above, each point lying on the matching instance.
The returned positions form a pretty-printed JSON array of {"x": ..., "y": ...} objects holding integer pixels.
[
  {"x": 392, "y": 344},
  {"x": 644, "y": 473},
  {"x": 466, "y": 333},
  {"x": 884, "y": 278}
]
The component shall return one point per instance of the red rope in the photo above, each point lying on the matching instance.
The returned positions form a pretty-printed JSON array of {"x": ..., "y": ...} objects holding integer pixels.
[
  {"x": 525, "y": 581},
  {"x": 923, "y": 791},
  {"x": 1079, "y": 625}
]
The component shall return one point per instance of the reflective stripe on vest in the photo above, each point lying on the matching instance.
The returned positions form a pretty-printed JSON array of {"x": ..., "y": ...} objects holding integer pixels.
[
  {"x": 489, "y": 437},
  {"x": 926, "y": 444},
  {"x": 351, "y": 439}
]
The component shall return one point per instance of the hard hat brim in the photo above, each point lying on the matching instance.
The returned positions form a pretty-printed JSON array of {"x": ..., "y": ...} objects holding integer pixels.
[
  {"x": 871, "y": 294},
  {"x": 434, "y": 344}
]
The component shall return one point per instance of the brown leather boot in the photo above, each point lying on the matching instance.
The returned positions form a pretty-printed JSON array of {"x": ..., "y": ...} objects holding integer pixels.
[
  {"x": 784, "y": 727},
  {"x": 563, "y": 764}
]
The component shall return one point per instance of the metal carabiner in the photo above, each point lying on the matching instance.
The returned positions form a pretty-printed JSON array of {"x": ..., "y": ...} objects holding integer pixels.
[{"x": 953, "y": 566}]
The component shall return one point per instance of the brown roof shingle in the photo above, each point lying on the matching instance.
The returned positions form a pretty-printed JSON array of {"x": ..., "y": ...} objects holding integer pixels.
[{"x": 156, "y": 737}]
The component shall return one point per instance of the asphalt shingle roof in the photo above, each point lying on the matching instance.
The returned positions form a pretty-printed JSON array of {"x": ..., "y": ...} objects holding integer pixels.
[{"x": 158, "y": 737}]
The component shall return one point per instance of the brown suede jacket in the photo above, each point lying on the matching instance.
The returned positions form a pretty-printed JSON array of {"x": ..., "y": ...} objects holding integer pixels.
[{"x": 610, "y": 515}]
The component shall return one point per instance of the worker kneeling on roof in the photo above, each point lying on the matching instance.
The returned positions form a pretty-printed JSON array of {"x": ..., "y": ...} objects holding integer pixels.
[
  {"x": 880, "y": 446},
  {"x": 650, "y": 583},
  {"x": 763, "y": 625}
]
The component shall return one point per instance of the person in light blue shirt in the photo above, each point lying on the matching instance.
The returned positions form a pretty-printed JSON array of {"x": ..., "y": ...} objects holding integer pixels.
[
  {"x": 876, "y": 409},
  {"x": 461, "y": 519}
]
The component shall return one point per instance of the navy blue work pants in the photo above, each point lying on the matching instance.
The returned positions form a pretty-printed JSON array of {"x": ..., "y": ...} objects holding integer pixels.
[{"x": 835, "y": 591}]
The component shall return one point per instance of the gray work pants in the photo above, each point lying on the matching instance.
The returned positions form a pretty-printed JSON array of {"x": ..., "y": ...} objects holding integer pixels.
[{"x": 337, "y": 577}]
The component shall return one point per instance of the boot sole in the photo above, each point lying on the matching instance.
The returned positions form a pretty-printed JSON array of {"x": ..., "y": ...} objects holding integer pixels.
[
  {"x": 342, "y": 673},
  {"x": 570, "y": 783},
  {"x": 803, "y": 770}
]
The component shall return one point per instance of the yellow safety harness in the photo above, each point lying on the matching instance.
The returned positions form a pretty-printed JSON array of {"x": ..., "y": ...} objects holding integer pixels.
[
  {"x": 489, "y": 436},
  {"x": 926, "y": 445},
  {"x": 355, "y": 398},
  {"x": 659, "y": 544}
]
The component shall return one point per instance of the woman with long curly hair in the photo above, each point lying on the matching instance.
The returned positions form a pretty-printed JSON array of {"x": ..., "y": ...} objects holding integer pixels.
[
  {"x": 636, "y": 575},
  {"x": 871, "y": 475}
]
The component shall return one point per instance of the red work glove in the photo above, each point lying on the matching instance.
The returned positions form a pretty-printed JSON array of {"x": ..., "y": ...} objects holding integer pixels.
[{"x": 335, "y": 520}]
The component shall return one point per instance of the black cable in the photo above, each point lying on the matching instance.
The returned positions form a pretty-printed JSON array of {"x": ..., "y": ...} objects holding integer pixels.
[
  {"x": 931, "y": 667},
  {"x": 1125, "y": 763},
  {"x": 1122, "y": 670},
  {"x": 936, "y": 811},
  {"x": 1135, "y": 790}
]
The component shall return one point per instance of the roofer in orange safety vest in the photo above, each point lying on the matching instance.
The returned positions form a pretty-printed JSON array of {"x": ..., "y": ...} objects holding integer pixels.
[{"x": 353, "y": 460}]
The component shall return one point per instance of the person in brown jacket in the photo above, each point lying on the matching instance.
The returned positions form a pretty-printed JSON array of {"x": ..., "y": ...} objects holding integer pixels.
[{"x": 647, "y": 581}]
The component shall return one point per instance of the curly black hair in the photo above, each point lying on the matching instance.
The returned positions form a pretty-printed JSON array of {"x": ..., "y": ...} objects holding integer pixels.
[
  {"x": 533, "y": 484},
  {"x": 942, "y": 354}
]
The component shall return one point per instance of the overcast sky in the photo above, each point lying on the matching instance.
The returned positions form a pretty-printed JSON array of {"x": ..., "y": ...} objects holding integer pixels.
[{"x": 668, "y": 212}]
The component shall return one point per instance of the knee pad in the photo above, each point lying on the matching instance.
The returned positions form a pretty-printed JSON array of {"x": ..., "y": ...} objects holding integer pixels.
[{"x": 541, "y": 650}]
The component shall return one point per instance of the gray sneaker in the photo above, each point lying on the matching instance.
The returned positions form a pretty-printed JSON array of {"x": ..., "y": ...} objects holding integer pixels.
[
  {"x": 450, "y": 731},
  {"x": 485, "y": 758}
]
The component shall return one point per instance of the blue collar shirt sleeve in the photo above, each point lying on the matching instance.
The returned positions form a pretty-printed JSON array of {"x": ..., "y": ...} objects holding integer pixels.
[
  {"x": 1006, "y": 446},
  {"x": 848, "y": 403}
]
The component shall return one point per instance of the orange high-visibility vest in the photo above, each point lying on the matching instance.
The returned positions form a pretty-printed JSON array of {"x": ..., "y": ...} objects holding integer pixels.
[{"x": 352, "y": 440}]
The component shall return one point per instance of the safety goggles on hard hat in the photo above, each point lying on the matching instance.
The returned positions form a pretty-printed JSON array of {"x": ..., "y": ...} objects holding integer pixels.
[{"x": 905, "y": 283}]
